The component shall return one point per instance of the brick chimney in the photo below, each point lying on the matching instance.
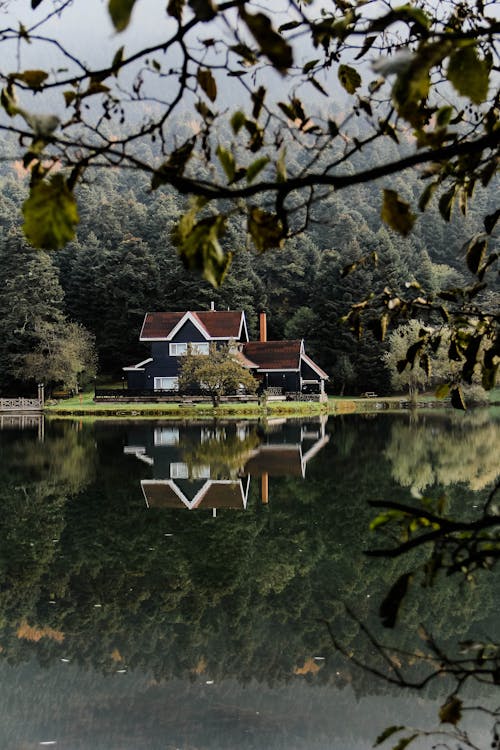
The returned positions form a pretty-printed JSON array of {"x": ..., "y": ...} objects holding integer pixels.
[{"x": 263, "y": 326}]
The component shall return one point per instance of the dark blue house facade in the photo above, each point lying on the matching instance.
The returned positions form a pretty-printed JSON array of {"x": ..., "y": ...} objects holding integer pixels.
[
  {"x": 280, "y": 365},
  {"x": 171, "y": 334}
]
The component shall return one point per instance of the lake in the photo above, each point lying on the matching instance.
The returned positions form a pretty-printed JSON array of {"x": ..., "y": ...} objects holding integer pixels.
[{"x": 181, "y": 585}]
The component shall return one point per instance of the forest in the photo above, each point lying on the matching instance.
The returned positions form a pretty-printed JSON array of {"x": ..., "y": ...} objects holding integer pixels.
[{"x": 87, "y": 301}]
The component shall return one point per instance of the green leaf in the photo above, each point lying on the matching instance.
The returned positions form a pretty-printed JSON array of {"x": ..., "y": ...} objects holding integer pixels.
[
  {"x": 207, "y": 83},
  {"x": 349, "y": 78},
  {"x": 387, "y": 733},
  {"x": 451, "y": 711},
  {"x": 265, "y": 229},
  {"x": 443, "y": 116},
  {"x": 50, "y": 214},
  {"x": 226, "y": 158},
  {"x": 410, "y": 13},
  {"x": 404, "y": 742},
  {"x": 117, "y": 59},
  {"x": 270, "y": 42},
  {"x": 396, "y": 213},
  {"x": 256, "y": 167},
  {"x": 309, "y": 66},
  {"x": 120, "y": 12},
  {"x": 199, "y": 246},
  {"x": 237, "y": 121},
  {"x": 468, "y": 74}
]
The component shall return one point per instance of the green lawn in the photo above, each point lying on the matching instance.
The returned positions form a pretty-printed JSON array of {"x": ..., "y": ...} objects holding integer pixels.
[{"x": 84, "y": 405}]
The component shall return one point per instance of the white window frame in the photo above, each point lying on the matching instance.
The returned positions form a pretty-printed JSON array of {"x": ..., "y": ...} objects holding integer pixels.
[
  {"x": 166, "y": 436},
  {"x": 200, "y": 347},
  {"x": 178, "y": 349},
  {"x": 160, "y": 385},
  {"x": 179, "y": 470}
]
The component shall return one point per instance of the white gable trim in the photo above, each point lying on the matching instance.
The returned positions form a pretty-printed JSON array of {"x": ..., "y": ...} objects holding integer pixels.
[
  {"x": 243, "y": 326},
  {"x": 188, "y": 317},
  {"x": 322, "y": 374},
  {"x": 142, "y": 328},
  {"x": 200, "y": 495}
]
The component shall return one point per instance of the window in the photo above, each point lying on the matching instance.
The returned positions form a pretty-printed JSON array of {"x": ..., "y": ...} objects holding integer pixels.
[
  {"x": 178, "y": 350},
  {"x": 179, "y": 470},
  {"x": 196, "y": 347},
  {"x": 166, "y": 384},
  {"x": 200, "y": 347},
  {"x": 166, "y": 436}
]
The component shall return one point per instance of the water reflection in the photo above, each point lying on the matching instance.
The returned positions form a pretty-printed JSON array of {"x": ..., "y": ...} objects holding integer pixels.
[
  {"x": 461, "y": 449},
  {"x": 210, "y": 466},
  {"x": 122, "y": 626}
]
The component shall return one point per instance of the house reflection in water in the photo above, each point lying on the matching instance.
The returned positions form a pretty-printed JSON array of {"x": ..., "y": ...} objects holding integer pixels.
[{"x": 209, "y": 467}]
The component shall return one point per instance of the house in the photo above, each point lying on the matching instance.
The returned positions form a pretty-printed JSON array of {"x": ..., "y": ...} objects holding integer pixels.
[
  {"x": 171, "y": 333},
  {"x": 184, "y": 468},
  {"x": 280, "y": 365}
]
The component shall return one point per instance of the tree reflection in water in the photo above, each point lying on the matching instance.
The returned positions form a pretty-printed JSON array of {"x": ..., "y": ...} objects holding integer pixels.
[{"x": 91, "y": 575}]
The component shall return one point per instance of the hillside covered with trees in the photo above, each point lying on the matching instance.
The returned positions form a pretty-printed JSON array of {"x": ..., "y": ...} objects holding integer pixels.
[{"x": 124, "y": 263}]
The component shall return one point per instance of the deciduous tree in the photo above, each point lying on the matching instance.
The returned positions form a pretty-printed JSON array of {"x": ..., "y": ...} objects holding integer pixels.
[{"x": 217, "y": 374}]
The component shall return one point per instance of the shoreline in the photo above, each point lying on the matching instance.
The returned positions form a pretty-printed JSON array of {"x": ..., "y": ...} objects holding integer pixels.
[{"x": 85, "y": 407}]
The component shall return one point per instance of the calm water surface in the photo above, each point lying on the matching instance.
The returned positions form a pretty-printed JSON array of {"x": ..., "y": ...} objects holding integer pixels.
[{"x": 166, "y": 585}]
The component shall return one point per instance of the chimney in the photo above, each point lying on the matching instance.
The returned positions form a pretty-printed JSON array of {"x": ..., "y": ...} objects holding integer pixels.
[
  {"x": 212, "y": 306},
  {"x": 263, "y": 326}
]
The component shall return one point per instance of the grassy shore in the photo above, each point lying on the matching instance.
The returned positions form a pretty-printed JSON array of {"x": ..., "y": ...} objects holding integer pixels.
[{"x": 84, "y": 405}]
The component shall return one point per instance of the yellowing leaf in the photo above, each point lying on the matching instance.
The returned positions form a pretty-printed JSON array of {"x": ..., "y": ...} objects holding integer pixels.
[
  {"x": 32, "y": 78},
  {"x": 349, "y": 78},
  {"x": 442, "y": 391},
  {"x": 396, "y": 213},
  {"x": 50, "y": 214},
  {"x": 207, "y": 83},
  {"x": 451, "y": 711},
  {"x": 120, "y": 12},
  {"x": 265, "y": 229}
]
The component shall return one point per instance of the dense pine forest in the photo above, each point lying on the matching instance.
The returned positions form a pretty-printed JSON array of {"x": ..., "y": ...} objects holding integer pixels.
[{"x": 96, "y": 290}]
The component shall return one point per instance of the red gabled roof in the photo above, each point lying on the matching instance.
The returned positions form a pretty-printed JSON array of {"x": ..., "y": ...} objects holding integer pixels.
[
  {"x": 218, "y": 324},
  {"x": 274, "y": 355}
]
